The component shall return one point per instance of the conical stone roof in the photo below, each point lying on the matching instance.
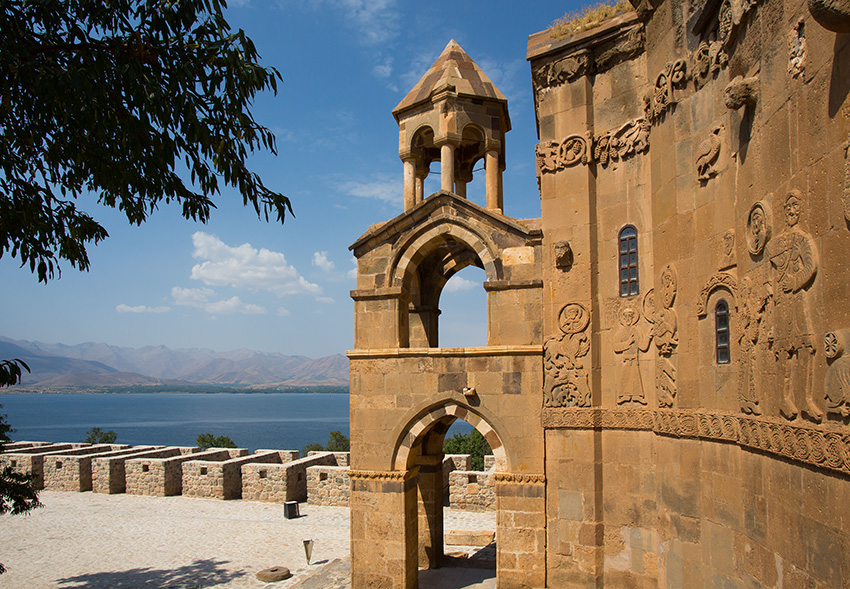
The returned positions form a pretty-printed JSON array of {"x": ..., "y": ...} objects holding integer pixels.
[{"x": 453, "y": 70}]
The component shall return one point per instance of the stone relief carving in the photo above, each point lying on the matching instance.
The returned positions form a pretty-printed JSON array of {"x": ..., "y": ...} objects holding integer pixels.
[
  {"x": 717, "y": 280},
  {"x": 629, "y": 139},
  {"x": 616, "y": 144},
  {"x": 708, "y": 60},
  {"x": 759, "y": 228},
  {"x": 662, "y": 96},
  {"x": 707, "y": 155},
  {"x": 730, "y": 17},
  {"x": 793, "y": 264},
  {"x": 629, "y": 342},
  {"x": 627, "y": 45},
  {"x": 740, "y": 92},
  {"x": 563, "y": 255},
  {"x": 666, "y": 322},
  {"x": 665, "y": 382},
  {"x": 751, "y": 328},
  {"x": 565, "y": 379},
  {"x": 797, "y": 50},
  {"x": 563, "y": 70},
  {"x": 727, "y": 251},
  {"x": 837, "y": 384}
]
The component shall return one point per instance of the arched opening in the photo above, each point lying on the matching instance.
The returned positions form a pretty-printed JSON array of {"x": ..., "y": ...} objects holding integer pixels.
[
  {"x": 463, "y": 310},
  {"x": 456, "y": 506}
]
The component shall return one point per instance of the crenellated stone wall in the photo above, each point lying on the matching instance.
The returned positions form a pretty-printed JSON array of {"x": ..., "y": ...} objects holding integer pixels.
[
  {"x": 221, "y": 480},
  {"x": 163, "y": 477},
  {"x": 278, "y": 483},
  {"x": 74, "y": 473},
  {"x": 31, "y": 460},
  {"x": 328, "y": 485},
  {"x": 108, "y": 473},
  {"x": 472, "y": 490}
]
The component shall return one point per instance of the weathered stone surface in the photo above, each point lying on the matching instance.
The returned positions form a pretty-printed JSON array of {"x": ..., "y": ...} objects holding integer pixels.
[
  {"x": 273, "y": 574},
  {"x": 831, "y": 14},
  {"x": 469, "y": 537}
]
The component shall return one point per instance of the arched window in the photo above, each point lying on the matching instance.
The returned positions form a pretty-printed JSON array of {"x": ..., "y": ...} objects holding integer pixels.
[
  {"x": 628, "y": 261},
  {"x": 721, "y": 332}
]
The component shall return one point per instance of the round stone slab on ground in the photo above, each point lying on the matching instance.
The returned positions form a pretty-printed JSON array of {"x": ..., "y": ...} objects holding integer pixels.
[{"x": 273, "y": 574}]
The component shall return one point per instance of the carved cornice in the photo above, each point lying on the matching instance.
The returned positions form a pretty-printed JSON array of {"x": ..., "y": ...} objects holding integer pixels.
[
  {"x": 825, "y": 448},
  {"x": 516, "y": 478},
  {"x": 382, "y": 475}
]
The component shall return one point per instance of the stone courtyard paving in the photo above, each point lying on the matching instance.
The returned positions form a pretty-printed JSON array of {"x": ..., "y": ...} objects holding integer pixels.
[{"x": 93, "y": 541}]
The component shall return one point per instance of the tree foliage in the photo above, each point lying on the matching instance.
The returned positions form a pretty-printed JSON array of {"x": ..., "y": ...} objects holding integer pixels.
[
  {"x": 98, "y": 436},
  {"x": 17, "y": 493},
  {"x": 337, "y": 442},
  {"x": 122, "y": 100},
  {"x": 207, "y": 441},
  {"x": 11, "y": 371},
  {"x": 472, "y": 443}
]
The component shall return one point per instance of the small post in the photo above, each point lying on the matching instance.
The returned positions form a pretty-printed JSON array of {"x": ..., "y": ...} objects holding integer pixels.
[{"x": 308, "y": 549}]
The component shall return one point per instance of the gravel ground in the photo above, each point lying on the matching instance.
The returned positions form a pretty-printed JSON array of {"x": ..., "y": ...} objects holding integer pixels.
[{"x": 93, "y": 541}]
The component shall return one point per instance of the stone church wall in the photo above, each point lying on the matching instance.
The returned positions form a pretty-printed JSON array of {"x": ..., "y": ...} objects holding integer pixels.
[{"x": 717, "y": 131}]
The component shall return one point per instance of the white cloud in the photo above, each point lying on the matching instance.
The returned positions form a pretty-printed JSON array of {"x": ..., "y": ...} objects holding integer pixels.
[
  {"x": 321, "y": 260},
  {"x": 199, "y": 298},
  {"x": 326, "y": 300},
  {"x": 283, "y": 312},
  {"x": 459, "y": 284},
  {"x": 385, "y": 69},
  {"x": 141, "y": 309},
  {"x": 245, "y": 266},
  {"x": 353, "y": 272},
  {"x": 384, "y": 188},
  {"x": 374, "y": 21}
]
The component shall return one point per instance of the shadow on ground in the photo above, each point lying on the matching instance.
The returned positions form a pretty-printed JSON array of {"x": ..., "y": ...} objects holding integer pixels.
[{"x": 201, "y": 573}]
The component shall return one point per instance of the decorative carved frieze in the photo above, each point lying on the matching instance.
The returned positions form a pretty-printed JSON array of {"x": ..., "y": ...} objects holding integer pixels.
[
  {"x": 561, "y": 71},
  {"x": 707, "y": 155},
  {"x": 663, "y": 95},
  {"x": 625, "y": 141},
  {"x": 717, "y": 280},
  {"x": 565, "y": 379},
  {"x": 382, "y": 475},
  {"x": 517, "y": 478},
  {"x": 846, "y": 195},
  {"x": 825, "y": 448},
  {"x": 707, "y": 61},
  {"x": 837, "y": 384}
]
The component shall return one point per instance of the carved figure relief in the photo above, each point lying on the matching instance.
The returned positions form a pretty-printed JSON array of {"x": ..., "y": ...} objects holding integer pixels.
[
  {"x": 759, "y": 228},
  {"x": 662, "y": 96},
  {"x": 629, "y": 342},
  {"x": 563, "y": 255},
  {"x": 565, "y": 379},
  {"x": 708, "y": 60},
  {"x": 797, "y": 50},
  {"x": 727, "y": 250},
  {"x": 837, "y": 385},
  {"x": 707, "y": 154},
  {"x": 665, "y": 330},
  {"x": 794, "y": 264},
  {"x": 665, "y": 382},
  {"x": 753, "y": 308}
]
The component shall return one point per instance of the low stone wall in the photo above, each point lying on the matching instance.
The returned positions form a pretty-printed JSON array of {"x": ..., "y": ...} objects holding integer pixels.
[
  {"x": 163, "y": 477},
  {"x": 328, "y": 485},
  {"x": 452, "y": 462},
  {"x": 278, "y": 483},
  {"x": 342, "y": 458},
  {"x": 31, "y": 460},
  {"x": 74, "y": 472},
  {"x": 18, "y": 446},
  {"x": 221, "y": 480},
  {"x": 472, "y": 490},
  {"x": 108, "y": 473}
]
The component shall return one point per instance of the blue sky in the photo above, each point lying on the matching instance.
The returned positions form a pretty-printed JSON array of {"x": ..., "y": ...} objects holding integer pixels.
[{"x": 238, "y": 282}]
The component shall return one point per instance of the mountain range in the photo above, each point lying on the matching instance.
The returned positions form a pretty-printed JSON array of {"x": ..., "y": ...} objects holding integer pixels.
[{"x": 102, "y": 365}]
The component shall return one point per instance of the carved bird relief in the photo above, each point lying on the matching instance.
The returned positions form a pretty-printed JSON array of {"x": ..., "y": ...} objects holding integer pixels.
[{"x": 707, "y": 153}]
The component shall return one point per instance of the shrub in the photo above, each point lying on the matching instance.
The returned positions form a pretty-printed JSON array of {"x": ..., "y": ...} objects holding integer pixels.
[
  {"x": 207, "y": 441},
  {"x": 472, "y": 443},
  {"x": 589, "y": 17},
  {"x": 98, "y": 436}
]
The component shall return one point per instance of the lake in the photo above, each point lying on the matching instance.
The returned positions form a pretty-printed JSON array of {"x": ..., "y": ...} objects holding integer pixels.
[{"x": 275, "y": 420}]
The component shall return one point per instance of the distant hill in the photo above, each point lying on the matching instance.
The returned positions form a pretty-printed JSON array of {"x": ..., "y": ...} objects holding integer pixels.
[{"x": 99, "y": 364}]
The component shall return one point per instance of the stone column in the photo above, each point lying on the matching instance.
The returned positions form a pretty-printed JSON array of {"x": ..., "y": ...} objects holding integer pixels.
[
  {"x": 430, "y": 499},
  {"x": 447, "y": 167},
  {"x": 409, "y": 183},
  {"x": 494, "y": 181},
  {"x": 421, "y": 173},
  {"x": 462, "y": 177}
]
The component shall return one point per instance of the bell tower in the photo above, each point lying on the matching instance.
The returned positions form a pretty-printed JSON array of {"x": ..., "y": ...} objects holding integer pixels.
[{"x": 454, "y": 115}]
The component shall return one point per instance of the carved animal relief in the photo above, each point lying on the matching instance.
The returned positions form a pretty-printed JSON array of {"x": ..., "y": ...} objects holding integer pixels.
[
  {"x": 565, "y": 379},
  {"x": 564, "y": 70},
  {"x": 707, "y": 154},
  {"x": 708, "y": 60}
]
